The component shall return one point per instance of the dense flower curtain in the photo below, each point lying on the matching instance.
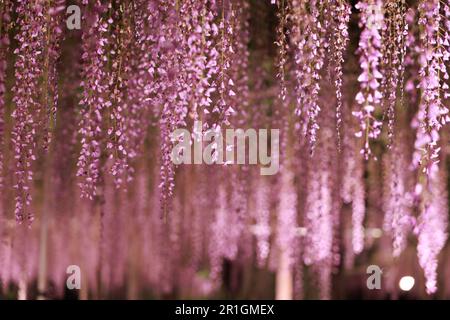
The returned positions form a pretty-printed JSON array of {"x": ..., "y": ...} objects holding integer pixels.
[{"x": 358, "y": 89}]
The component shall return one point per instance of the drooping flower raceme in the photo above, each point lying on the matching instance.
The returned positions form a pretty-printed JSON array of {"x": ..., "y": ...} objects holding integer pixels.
[
  {"x": 94, "y": 101},
  {"x": 262, "y": 219},
  {"x": 4, "y": 46},
  {"x": 120, "y": 100},
  {"x": 398, "y": 220},
  {"x": 432, "y": 114},
  {"x": 319, "y": 219},
  {"x": 369, "y": 97},
  {"x": 28, "y": 70},
  {"x": 340, "y": 11},
  {"x": 287, "y": 217},
  {"x": 225, "y": 83},
  {"x": 310, "y": 35},
  {"x": 283, "y": 47},
  {"x": 395, "y": 30},
  {"x": 432, "y": 230}
]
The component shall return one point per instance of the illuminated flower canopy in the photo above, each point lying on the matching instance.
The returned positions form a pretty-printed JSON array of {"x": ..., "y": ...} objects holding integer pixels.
[{"x": 359, "y": 91}]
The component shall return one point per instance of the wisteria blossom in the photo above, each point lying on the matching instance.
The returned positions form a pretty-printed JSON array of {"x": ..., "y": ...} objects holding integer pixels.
[
  {"x": 432, "y": 231},
  {"x": 370, "y": 95},
  {"x": 357, "y": 92}
]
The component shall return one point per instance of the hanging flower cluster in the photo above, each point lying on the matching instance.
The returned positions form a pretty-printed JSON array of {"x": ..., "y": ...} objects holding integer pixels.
[
  {"x": 94, "y": 101},
  {"x": 434, "y": 79},
  {"x": 432, "y": 115},
  {"x": 360, "y": 94},
  {"x": 309, "y": 28},
  {"x": 4, "y": 45},
  {"x": 370, "y": 95},
  {"x": 340, "y": 10},
  {"x": 398, "y": 202},
  {"x": 395, "y": 29},
  {"x": 34, "y": 102},
  {"x": 432, "y": 231}
]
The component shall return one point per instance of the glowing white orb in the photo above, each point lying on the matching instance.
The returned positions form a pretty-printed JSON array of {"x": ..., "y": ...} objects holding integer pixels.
[
  {"x": 377, "y": 233},
  {"x": 406, "y": 283}
]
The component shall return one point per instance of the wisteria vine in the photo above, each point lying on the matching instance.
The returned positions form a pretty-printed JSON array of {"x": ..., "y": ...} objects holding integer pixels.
[{"x": 359, "y": 91}]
